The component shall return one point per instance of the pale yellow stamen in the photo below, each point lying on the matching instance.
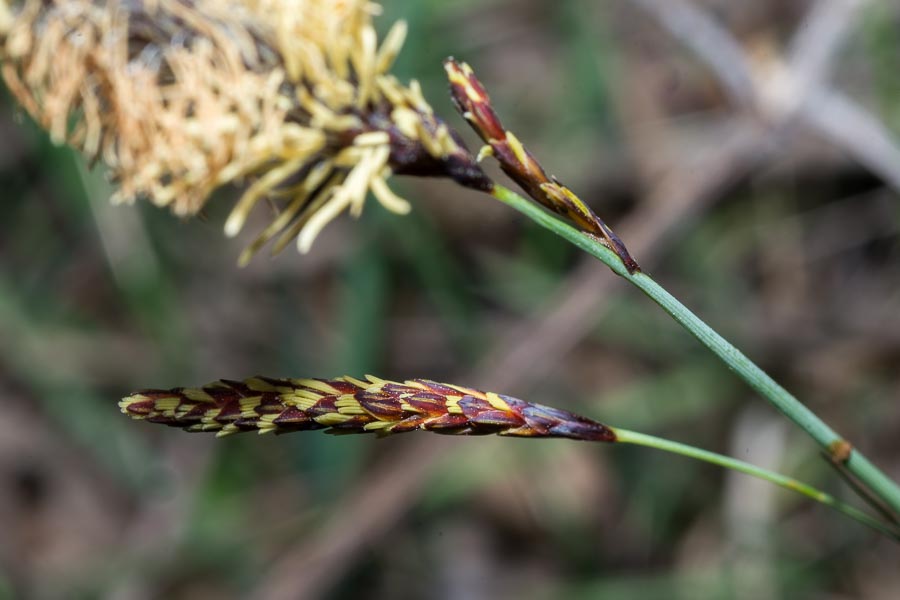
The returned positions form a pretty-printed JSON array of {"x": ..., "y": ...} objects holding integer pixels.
[
  {"x": 484, "y": 152},
  {"x": 351, "y": 194},
  {"x": 518, "y": 149},
  {"x": 316, "y": 177},
  {"x": 263, "y": 185},
  {"x": 388, "y": 198},
  {"x": 317, "y": 202},
  {"x": 197, "y": 395},
  {"x": 364, "y": 64},
  {"x": 372, "y": 138},
  {"x": 390, "y": 48},
  {"x": 332, "y": 419},
  {"x": 317, "y": 385},
  {"x": 497, "y": 402}
]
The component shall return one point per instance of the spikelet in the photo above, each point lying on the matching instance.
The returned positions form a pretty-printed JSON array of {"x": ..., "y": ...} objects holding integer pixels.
[
  {"x": 292, "y": 98},
  {"x": 349, "y": 405},
  {"x": 474, "y": 104}
]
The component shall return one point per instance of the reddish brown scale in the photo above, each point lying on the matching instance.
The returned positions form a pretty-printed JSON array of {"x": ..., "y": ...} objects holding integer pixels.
[
  {"x": 292, "y": 417},
  {"x": 344, "y": 387},
  {"x": 229, "y": 412},
  {"x": 472, "y": 406},
  {"x": 427, "y": 396},
  {"x": 497, "y": 419},
  {"x": 427, "y": 405},
  {"x": 397, "y": 389},
  {"x": 194, "y": 415},
  {"x": 164, "y": 420},
  {"x": 489, "y": 124},
  {"x": 240, "y": 388},
  {"x": 247, "y": 424},
  {"x": 221, "y": 395},
  {"x": 141, "y": 409},
  {"x": 323, "y": 407},
  {"x": 409, "y": 424},
  {"x": 448, "y": 423},
  {"x": 438, "y": 388},
  {"x": 270, "y": 404},
  {"x": 380, "y": 405}
]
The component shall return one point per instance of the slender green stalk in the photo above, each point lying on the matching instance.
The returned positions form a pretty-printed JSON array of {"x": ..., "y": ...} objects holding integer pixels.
[
  {"x": 858, "y": 465},
  {"x": 641, "y": 439}
]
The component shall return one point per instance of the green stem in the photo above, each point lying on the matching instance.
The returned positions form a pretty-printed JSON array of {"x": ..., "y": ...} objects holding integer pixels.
[
  {"x": 640, "y": 439},
  {"x": 857, "y": 464}
]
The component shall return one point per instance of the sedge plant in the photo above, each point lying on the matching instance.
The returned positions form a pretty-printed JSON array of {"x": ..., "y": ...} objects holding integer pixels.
[{"x": 295, "y": 102}]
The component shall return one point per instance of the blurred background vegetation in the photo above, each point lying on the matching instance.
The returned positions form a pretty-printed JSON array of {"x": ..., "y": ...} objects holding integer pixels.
[{"x": 762, "y": 203}]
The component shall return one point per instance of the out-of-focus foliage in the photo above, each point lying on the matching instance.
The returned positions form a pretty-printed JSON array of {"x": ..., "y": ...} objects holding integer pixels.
[{"x": 792, "y": 255}]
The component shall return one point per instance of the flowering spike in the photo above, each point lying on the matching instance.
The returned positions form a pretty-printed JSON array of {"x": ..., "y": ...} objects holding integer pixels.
[
  {"x": 349, "y": 405},
  {"x": 474, "y": 104},
  {"x": 182, "y": 97}
]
